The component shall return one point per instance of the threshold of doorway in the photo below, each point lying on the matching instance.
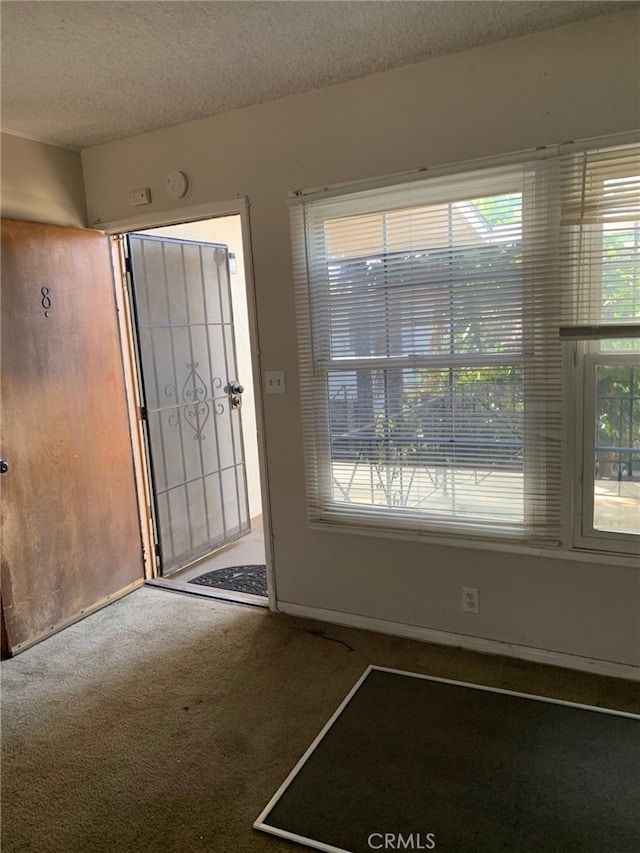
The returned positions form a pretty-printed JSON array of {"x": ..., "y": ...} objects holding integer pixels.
[
  {"x": 248, "y": 550},
  {"x": 209, "y": 592}
]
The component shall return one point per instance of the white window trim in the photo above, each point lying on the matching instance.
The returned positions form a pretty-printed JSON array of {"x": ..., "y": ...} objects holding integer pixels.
[{"x": 470, "y": 542}]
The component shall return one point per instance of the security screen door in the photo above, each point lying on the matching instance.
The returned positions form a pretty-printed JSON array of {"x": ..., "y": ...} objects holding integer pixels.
[{"x": 192, "y": 397}]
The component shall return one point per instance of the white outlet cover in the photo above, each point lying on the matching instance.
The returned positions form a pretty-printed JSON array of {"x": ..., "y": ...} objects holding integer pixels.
[
  {"x": 470, "y": 600},
  {"x": 176, "y": 185}
]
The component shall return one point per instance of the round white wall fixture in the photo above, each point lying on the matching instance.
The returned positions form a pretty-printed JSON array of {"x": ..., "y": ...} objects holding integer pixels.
[{"x": 176, "y": 185}]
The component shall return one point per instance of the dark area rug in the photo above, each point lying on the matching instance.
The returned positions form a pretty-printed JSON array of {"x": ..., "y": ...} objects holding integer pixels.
[
  {"x": 420, "y": 763},
  {"x": 251, "y": 579}
]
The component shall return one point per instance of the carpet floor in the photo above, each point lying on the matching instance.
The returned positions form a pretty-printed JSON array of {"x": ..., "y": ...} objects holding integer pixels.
[{"x": 165, "y": 722}]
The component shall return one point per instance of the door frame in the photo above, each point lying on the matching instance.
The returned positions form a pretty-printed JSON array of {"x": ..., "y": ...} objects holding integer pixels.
[{"x": 189, "y": 213}]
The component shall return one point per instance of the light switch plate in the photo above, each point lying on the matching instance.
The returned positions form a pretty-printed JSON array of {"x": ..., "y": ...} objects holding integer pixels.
[{"x": 274, "y": 382}]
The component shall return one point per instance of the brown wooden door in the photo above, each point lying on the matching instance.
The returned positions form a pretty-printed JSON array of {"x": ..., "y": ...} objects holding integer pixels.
[{"x": 71, "y": 536}]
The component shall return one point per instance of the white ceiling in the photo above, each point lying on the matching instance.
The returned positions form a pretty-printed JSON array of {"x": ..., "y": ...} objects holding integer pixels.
[{"x": 83, "y": 73}]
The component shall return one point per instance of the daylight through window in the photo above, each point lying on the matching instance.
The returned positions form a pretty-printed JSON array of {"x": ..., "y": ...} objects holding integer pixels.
[{"x": 432, "y": 366}]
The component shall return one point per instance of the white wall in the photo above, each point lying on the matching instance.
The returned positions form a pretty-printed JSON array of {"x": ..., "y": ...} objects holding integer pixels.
[
  {"x": 228, "y": 231},
  {"x": 574, "y": 82},
  {"x": 41, "y": 183}
]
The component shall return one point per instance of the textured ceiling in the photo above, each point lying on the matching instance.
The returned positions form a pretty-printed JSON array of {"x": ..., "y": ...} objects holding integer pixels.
[{"x": 82, "y": 73}]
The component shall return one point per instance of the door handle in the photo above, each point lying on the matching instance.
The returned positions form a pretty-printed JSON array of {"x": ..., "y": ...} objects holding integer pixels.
[
  {"x": 3, "y": 467},
  {"x": 236, "y": 391}
]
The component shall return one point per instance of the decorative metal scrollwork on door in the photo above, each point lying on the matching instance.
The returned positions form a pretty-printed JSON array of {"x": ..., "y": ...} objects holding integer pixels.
[
  {"x": 194, "y": 391},
  {"x": 195, "y": 407},
  {"x": 194, "y": 402},
  {"x": 217, "y": 384}
]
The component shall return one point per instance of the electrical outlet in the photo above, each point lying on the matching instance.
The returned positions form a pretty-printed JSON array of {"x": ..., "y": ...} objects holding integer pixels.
[{"x": 470, "y": 603}]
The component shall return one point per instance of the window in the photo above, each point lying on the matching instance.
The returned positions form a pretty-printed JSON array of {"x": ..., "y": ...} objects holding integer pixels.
[
  {"x": 601, "y": 232},
  {"x": 431, "y": 362},
  {"x": 612, "y": 484}
]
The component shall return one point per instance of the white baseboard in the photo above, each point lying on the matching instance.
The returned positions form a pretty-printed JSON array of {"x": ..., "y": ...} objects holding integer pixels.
[{"x": 474, "y": 644}]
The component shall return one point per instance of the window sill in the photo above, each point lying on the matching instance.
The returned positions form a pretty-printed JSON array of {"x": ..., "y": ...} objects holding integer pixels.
[{"x": 559, "y": 552}]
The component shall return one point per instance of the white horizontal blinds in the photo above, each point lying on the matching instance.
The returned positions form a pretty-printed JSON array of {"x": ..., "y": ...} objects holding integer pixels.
[
  {"x": 543, "y": 379},
  {"x": 601, "y": 236},
  {"x": 313, "y": 396},
  {"x": 424, "y": 313}
]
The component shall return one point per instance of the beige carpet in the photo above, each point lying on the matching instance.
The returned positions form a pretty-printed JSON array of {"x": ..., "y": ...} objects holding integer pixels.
[{"x": 165, "y": 722}]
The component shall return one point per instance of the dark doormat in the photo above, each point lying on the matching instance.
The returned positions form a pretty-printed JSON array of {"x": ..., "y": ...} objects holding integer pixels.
[
  {"x": 251, "y": 579},
  {"x": 410, "y": 762}
]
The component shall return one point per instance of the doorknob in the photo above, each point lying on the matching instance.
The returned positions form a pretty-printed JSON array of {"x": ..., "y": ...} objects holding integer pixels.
[
  {"x": 235, "y": 392},
  {"x": 3, "y": 467}
]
